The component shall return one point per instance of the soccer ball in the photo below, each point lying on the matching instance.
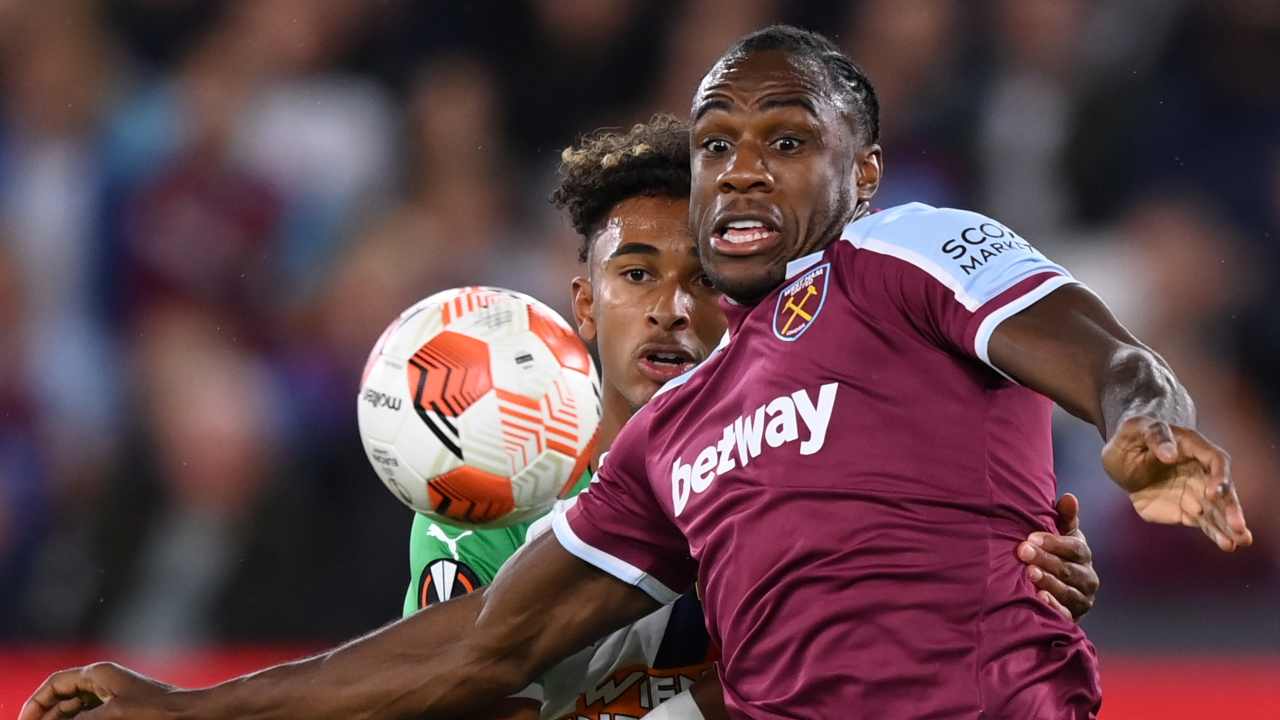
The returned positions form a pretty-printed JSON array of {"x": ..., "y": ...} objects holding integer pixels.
[{"x": 479, "y": 407}]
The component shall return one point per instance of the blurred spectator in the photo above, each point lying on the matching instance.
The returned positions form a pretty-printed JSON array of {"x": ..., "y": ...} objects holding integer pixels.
[
  {"x": 909, "y": 51},
  {"x": 702, "y": 30},
  {"x": 24, "y": 515},
  {"x": 62, "y": 392},
  {"x": 1027, "y": 111},
  {"x": 575, "y": 65},
  {"x": 209, "y": 414},
  {"x": 1206, "y": 113},
  {"x": 321, "y": 137},
  {"x": 197, "y": 235},
  {"x": 56, "y": 81},
  {"x": 454, "y": 192}
]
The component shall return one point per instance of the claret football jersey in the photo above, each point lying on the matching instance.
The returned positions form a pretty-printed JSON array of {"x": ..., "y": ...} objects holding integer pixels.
[{"x": 845, "y": 481}]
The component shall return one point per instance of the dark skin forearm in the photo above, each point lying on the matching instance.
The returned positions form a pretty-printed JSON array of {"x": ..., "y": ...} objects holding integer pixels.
[
  {"x": 450, "y": 660},
  {"x": 392, "y": 673},
  {"x": 377, "y": 676},
  {"x": 1071, "y": 348},
  {"x": 1139, "y": 382}
]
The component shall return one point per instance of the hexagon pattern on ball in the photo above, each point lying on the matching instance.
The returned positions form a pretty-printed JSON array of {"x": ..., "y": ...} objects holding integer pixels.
[{"x": 479, "y": 407}]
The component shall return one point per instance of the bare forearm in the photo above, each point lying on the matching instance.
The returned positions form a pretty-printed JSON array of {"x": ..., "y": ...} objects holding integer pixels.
[
  {"x": 1070, "y": 347},
  {"x": 1138, "y": 382},
  {"x": 450, "y": 660},
  {"x": 414, "y": 667}
]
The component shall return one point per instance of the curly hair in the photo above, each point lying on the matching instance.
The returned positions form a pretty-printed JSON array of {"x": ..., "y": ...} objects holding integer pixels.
[{"x": 607, "y": 167}]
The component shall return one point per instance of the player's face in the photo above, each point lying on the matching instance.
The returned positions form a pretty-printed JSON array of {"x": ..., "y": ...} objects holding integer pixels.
[
  {"x": 776, "y": 170},
  {"x": 648, "y": 305}
]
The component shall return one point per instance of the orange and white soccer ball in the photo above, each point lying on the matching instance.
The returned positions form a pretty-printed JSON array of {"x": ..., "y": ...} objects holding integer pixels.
[{"x": 479, "y": 407}]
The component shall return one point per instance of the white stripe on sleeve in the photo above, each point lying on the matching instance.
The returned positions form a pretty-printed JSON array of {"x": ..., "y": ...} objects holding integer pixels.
[
  {"x": 989, "y": 324},
  {"x": 616, "y": 567}
]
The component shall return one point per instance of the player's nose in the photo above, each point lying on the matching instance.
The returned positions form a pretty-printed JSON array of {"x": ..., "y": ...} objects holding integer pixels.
[
  {"x": 746, "y": 171},
  {"x": 671, "y": 311}
]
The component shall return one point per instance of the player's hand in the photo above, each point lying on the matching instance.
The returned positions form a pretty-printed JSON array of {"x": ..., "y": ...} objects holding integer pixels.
[
  {"x": 102, "y": 691},
  {"x": 1175, "y": 476},
  {"x": 1061, "y": 566}
]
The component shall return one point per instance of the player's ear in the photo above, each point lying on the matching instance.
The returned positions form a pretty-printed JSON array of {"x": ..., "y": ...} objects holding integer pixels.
[
  {"x": 868, "y": 168},
  {"x": 583, "y": 305}
]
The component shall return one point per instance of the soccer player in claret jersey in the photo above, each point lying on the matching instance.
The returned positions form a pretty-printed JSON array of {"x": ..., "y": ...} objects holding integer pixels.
[
  {"x": 837, "y": 479},
  {"x": 652, "y": 313}
]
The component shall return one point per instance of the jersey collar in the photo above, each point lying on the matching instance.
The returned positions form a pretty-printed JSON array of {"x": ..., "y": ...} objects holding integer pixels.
[{"x": 800, "y": 264}]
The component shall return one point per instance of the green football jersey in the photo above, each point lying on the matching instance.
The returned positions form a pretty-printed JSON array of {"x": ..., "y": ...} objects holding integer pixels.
[{"x": 447, "y": 561}]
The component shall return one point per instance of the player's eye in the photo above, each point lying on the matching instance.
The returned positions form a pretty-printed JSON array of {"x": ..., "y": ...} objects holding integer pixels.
[
  {"x": 715, "y": 146},
  {"x": 636, "y": 275},
  {"x": 787, "y": 144}
]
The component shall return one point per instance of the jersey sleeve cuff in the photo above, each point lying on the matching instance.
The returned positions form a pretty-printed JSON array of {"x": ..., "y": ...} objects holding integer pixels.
[
  {"x": 1012, "y": 301},
  {"x": 609, "y": 563}
]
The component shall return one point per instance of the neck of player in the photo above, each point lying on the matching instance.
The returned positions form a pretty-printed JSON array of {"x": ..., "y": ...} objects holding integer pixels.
[{"x": 615, "y": 411}]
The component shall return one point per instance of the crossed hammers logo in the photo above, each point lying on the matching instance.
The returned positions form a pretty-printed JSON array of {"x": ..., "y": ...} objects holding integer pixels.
[{"x": 798, "y": 311}]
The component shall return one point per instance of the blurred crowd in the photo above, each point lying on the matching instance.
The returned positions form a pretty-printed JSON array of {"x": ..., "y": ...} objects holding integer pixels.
[{"x": 210, "y": 210}]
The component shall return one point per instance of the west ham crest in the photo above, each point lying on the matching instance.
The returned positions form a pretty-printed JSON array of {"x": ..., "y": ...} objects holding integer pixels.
[{"x": 800, "y": 301}]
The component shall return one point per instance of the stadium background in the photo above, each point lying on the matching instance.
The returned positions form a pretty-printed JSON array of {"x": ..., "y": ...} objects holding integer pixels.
[{"x": 209, "y": 210}]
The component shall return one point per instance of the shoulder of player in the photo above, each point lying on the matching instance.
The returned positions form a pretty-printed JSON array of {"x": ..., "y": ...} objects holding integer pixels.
[
  {"x": 955, "y": 247},
  {"x": 924, "y": 230}
]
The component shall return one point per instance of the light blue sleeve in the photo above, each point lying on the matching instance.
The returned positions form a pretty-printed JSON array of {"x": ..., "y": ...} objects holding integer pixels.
[
  {"x": 975, "y": 272},
  {"x": 974, "y": 256}
]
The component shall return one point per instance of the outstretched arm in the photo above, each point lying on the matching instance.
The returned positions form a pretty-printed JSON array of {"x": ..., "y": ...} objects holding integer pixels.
[
  {"x": 448, "y": 660},
  {"x": 1070, "y": 347}
]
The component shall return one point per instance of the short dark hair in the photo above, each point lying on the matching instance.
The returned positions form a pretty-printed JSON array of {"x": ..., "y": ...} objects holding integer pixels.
[
  {"x": 848, "y": 83},
  {"x": 607, "y": 167}
]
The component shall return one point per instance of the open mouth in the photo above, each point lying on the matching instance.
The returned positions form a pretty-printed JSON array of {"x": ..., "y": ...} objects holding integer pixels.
[
  {"x": 661, "y": 364},
  {"x": 744, "y": 235}
]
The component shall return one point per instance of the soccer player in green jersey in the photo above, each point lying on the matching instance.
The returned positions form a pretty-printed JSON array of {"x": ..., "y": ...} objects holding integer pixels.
[
  {"x": 644, "y": 302},
  {"x": 652, "y": 314},
  {"x": 650, "y": 310}
]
